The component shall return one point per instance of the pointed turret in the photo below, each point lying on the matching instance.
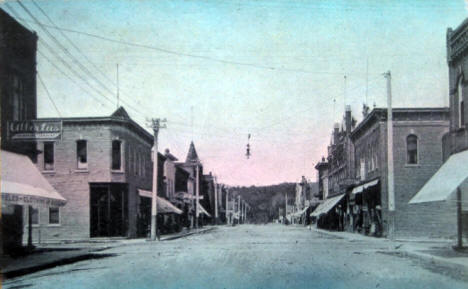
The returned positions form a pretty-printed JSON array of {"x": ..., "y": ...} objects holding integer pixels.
[{"x": 192, "y": 156}]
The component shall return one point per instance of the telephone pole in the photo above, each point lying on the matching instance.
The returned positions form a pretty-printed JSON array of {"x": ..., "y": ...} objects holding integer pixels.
[
  {"x": 216, "y": 200},
  {"x": 156, "y": 125},
  {"x": 197, "y": 197},
  {"x": 228, "y": 219},
  {"x": 390, "y": 179}
]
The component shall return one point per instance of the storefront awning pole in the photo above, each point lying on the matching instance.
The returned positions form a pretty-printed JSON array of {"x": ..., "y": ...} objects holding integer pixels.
[
  {"x": 30, "y": 209},
  {"x": 459, "y": 217}
]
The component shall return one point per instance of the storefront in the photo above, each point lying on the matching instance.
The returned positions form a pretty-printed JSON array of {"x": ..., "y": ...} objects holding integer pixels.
[
  {"x": 168, "y": 214},
  {"x": 22, "y": 185},
  {"x": 363, "y": 214},
  {"x": 329, "y": 214},
  {"x": 450, "y": 184}
]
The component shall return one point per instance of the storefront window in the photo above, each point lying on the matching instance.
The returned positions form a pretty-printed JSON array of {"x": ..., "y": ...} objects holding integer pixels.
[
  {"x": 34, "y": 216},
  {"x": 54, "y": 215}
]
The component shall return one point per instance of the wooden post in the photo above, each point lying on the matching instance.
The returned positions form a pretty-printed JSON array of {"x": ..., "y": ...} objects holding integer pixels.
[
  {"x": 30, "y": 209},
  {"x": 459, "y": 219}
]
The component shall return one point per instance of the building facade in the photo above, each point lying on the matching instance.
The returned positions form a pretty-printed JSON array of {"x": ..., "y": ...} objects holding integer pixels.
[
  {"x": 99, "y": 165},
  {"x": 21, "y": 197},
  {"x": 417, "y": 155}
]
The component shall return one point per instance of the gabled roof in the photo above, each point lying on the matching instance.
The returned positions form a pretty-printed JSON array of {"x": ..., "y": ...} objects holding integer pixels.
[
  {"x": 192, "y": 155},
  {"x": 120, "y": 113}
]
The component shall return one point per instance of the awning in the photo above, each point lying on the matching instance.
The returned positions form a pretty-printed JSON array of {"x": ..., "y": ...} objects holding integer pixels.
[
  {"x": 326, "y": 206},
  {"x": 361, "y": 188},
  {"x": 202, "y": 210},
  {"x": 164, "y": 206},
  {"x": 453, "y": 173},
  {"x": 23, "y": 184},
  {"x": 301, "y": 212}
]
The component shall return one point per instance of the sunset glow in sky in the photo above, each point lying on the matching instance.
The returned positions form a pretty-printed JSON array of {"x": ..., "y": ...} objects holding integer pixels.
[{"x": 271, "y": 68}]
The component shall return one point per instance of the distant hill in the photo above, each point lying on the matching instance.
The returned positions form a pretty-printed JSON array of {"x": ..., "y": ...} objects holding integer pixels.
[{"x": 265, "y": 200}]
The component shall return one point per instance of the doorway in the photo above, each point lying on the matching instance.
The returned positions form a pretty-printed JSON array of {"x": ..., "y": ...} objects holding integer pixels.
[{"x": 109, "y": 210}]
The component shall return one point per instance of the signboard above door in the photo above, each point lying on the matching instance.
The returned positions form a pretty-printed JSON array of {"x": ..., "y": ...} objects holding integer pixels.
[{"x": 34, "y": 130}]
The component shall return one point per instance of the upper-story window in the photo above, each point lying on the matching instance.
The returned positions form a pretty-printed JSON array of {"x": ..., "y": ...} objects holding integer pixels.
[
  {"x": 461, "y": 105},
  {"x": 82, "y": 154},
  {"x": 17, "y": 93},
  {"x": 412, "y": 149},
  {"x": 116, "y": 155},
  {"x": 49, "y": 156}
]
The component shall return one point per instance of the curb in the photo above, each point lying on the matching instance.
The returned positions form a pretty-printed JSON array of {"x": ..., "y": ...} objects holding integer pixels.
[
  {"x": 91, "y": 253},
  {"x": 188, "y": 234},
  {"x": 52, "y": 264}
]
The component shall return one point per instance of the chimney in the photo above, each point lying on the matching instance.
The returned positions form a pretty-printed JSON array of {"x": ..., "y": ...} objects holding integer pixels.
[
  {"x": 336, "y": 130},
  {"x": 348, "y": 120}
]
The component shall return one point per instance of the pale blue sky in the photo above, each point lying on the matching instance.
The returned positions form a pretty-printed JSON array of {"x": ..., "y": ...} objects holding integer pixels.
[{"x": 291, "y": 60}]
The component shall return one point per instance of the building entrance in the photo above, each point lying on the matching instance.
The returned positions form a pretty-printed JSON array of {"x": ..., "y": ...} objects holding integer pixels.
[{"x": 109, "y": 210}]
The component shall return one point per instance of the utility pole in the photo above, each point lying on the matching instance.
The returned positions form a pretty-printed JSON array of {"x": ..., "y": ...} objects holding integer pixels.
[
  {"x": 227, "y": 207},
  {"x": 197, "y": 197},
  {"x": 216, "y": 201},
  {"x": 238, "y": 208},
  {"x": 155, "y": 124},
  {"x": 390, "y": 176},
  {"x": 286, "y": 208}
]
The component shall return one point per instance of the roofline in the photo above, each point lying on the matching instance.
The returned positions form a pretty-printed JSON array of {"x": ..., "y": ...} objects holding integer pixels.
[
  {"x": 101, "y": 119},
  {"x": 377, "y": 110}
]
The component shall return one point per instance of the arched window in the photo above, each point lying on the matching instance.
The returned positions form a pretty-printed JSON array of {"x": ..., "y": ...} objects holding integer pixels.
[
  {"x": 461, "y": 105},
  {"x": 412, "y": 149}
]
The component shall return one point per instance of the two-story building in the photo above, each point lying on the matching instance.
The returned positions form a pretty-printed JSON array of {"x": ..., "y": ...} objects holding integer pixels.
[
  {"x": 417, "y": 154},
  {"x": 103, "y": 166}
]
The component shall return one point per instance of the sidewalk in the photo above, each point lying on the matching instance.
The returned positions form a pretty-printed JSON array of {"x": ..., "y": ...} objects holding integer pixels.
[
  {"x": 52, "y": 255},
  {"x": 428, "y": 251}
]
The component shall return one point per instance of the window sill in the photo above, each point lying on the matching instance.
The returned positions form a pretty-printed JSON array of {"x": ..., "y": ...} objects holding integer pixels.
[
  {"x": 54, "y": 225},
  {"x": 49, "y": 172},
  {"x": 82, "y": 171},
  {"x": 412, "y": 165},
  {"x": 117, "y": 171}
]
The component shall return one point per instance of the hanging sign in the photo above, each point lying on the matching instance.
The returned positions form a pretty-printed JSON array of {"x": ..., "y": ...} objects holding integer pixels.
[{"x": 34, "y": 130}]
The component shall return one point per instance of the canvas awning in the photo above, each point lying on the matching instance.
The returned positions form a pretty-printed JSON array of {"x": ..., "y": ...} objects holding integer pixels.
[
  {"x": 326, "y": 206},
  {"x": 23, "y": 184},
  {"x": 445, "y": 181},
  {"x": 361, "y": 188},
  {"x": 301, "y": 212},
  {"x": 164, "y": 206},
  {"x": 202, "y": 210}
]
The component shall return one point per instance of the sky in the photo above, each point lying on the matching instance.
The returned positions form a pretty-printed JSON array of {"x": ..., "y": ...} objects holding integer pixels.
[{"x": 281, "y": 71}]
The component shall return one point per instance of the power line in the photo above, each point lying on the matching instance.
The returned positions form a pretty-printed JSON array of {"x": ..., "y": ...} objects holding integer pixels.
[
  {"x": 48, "y": 94},
  {"x": 80, "y": 65},
  {"x": 204, "y": 57},
  {"x": 72, "y": 43}
]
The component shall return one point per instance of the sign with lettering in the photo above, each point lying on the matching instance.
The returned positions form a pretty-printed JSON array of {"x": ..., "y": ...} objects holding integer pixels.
[
  {"x": 34, "y": 130},
  {"x": 20, "y": 199}
]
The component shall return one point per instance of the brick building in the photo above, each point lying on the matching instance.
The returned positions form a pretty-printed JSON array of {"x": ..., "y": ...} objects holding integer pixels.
[
  {"x": 18, "y": 48},
  {"x": 18, "y": 139},
  {"x": 417, "y": 154},
  {"x": 322, "y": 179},
  {"x": 449, "y": 185},
  {"x": 99, "y": 165},
  {"x": 339, "y": 171}
]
